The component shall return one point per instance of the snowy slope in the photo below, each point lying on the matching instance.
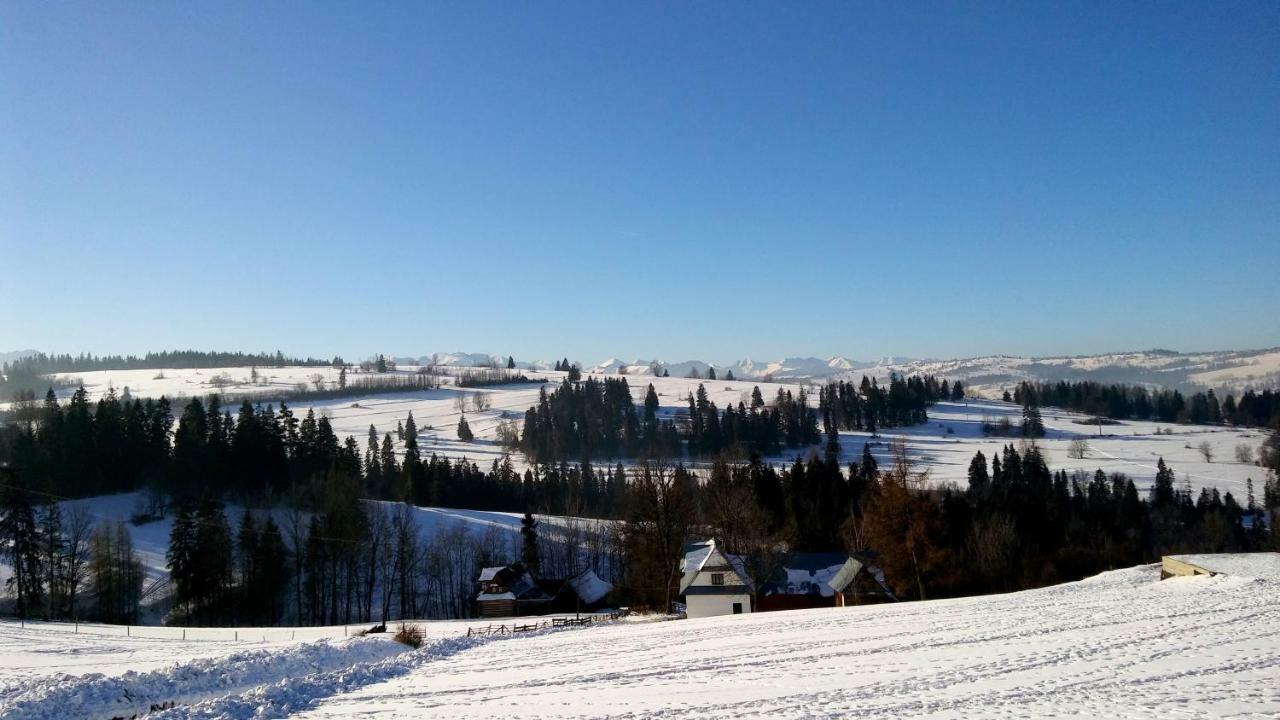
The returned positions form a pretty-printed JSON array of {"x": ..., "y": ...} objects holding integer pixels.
[
  {"x": 945, "y": 445},
  {"x": 1121, "y": 644},
  {"x": 1117, "y": 645}
]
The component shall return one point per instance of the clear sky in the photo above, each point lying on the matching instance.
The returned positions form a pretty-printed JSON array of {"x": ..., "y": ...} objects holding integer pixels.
[{"x": 709, "y": 180}]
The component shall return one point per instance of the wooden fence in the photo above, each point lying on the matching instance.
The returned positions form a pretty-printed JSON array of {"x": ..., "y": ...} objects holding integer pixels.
[{"x": 558, "y": 622}]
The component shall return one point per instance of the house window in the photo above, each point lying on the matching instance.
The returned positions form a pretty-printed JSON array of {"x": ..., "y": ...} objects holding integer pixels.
[
  {"x": 737, "y": 608},
  {"x": 717, "y": 578}
]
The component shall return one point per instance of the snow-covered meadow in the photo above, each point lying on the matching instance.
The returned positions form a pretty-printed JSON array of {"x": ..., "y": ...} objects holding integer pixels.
[
  {"x": 1121, "y": 644},
  {"x": 944, "y": 446}
]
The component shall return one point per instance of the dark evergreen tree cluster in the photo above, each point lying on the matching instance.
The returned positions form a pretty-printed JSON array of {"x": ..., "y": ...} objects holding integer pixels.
[
  {"x": 1017, "y": 525},
  {"x": 870, "y": 406},
  {"x": 579, "y": 421},
  {"x": 484, "y": 377},
  {"x": 1135, "y": 402},
  {"x": 744, "y": 430},
  {"x": 81, "y": 448},
  {"x": 597, "y": 418}
]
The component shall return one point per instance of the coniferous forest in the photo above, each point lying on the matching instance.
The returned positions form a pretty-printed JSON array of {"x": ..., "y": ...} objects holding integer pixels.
[
  {"x": 329, "y": 536},
  {"x": 1135, "y": 402}
]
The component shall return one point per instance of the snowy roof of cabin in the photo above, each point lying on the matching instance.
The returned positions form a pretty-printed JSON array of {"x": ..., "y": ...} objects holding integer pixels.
[
  {"x": 515, "y": 578},
  {"x": 589, "y": 586},
  {"x": 489, "y": 573},
  {"x": 496, "y": 596},
  {"x": 696, "y": 554},
  {"x": 1258, "y": 565}
]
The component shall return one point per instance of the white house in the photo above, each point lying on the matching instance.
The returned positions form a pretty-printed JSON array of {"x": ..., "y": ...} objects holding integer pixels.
[{"x": 711, "y": 583}]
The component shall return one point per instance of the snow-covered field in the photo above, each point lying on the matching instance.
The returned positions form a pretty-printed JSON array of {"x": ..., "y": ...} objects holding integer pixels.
[
  {"x": 945, "y": 445},
  {"x": 1121, "y": 644}
]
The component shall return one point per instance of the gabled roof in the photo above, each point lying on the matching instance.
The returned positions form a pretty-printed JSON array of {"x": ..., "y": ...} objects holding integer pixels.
[
  {"x": 520, "y": 584},
  {"x": 796, "y": 573},
  {"x": 705, "y": 556},
  {"x": 517, "y": 580},
  {"x": 589, "y": 587},
  {"x": 812, "y": 573}
]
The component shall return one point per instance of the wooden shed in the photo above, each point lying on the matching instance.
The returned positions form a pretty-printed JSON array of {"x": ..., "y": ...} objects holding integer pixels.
[{"x": 1260, "y": 564}]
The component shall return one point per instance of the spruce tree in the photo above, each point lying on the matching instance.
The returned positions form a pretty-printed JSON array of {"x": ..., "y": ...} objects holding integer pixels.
[
  {"x": 1162, "y": 493},
  {"x": 511, "y": 362},
  {"x": 181, "y": 558},
  {"x": 20, "y": 543},
  {"x": 529, "y": 543},
  {"x": 464, "y": 430}
]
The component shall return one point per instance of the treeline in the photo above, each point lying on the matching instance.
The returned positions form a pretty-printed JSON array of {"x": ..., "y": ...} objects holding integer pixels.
[
  {"x": 42, "y": 364},
  {"x": 597, "y": 418},
  {"x": 870, "y": 406},
  {"x": 486, "y": 377},
  {"x": 1018, "y": 525},
  {"x": 1135, "y": 402},
  {"x": 82, "y": 448}
]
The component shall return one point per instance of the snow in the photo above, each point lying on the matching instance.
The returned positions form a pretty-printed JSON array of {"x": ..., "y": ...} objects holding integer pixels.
[
  {"x": 93, "y": 695},
  {"x": 1120, "y": 644},
  {"x": 1249, "y": 565}
]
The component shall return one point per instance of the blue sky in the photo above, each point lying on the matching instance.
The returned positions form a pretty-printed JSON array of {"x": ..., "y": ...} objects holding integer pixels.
[{"x": 709, "y": 180}]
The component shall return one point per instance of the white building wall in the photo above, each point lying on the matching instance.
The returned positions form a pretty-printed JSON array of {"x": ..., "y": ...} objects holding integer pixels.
[{"x": 697, "y": 606}]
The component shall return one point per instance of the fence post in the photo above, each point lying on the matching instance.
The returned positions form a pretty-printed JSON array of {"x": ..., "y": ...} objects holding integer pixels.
[
  {"x": 128, "y": 631},
  {"x": 237, "y": 636}
]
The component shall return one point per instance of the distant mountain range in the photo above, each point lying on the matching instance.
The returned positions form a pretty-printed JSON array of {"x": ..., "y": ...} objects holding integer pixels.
[
  {"x": 1228, "y": 370},
  {"x": 1232, "y": 370},
  {"x": 16, "y": 355}
]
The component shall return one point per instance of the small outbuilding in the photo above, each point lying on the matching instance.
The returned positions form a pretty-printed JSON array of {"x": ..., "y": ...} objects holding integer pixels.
[{"x": 1262, "y": 564}]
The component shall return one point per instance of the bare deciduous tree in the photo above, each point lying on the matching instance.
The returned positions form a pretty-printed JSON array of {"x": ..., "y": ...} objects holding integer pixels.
[
  {"x": 1206, "y": 450},
  {"x": 79, "y": 530},
  {"x": 1078, "y": 449}
]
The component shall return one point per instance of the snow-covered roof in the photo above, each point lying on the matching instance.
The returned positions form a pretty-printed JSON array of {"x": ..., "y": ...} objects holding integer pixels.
[
  {"x": 496, "y": 596},
  {"x": 1259, "y": 565},
  {"x": 489, "y": 573},
  {"x": 589, "y": 586},
  {"x": 697, "y": 555}
]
